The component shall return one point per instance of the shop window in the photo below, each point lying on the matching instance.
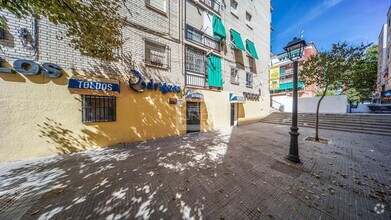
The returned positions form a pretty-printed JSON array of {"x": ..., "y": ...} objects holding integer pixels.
[
  {"x": 98, "y": 108},
  {"x": 249, "y": 79},
  {"x": 156, "y": 54},
  {"x": 157, "y": 4},
  {"x": 234, "y": 75},
  {"x": 234, "y": 7}
]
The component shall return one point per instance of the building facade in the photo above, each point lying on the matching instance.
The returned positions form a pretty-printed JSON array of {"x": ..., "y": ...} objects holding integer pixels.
[
  {"x": 186, "y": 66},
  {"x": 382, "y": 68},
  {"x": 281, "y": 74}
]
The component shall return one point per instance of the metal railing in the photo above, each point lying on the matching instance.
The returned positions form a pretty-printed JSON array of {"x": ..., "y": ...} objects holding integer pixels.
[
  {"x": 211, "y": 4},
  {"x": 198, "y": 36}
]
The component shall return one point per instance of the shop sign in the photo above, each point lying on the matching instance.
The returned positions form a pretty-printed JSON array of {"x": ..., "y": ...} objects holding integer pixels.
[
  {"x": 93, "y": 85},
  {"x": 151, "y": 85},
  {"x": 274, "y": 78},
  {"x": 193, "y": 94},
  {"x": 29, "y": 67},
  {"x": 237, "y": 98},
  {"x": 251, "y": 96}
]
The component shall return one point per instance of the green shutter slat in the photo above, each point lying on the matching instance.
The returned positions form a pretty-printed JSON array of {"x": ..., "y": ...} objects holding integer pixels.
[
  {"x": 237, "y": 39},
  {"x": 218, "y": 28},
  {"x": 214, "y": 71},
  {"x": 251, "y": 49}
]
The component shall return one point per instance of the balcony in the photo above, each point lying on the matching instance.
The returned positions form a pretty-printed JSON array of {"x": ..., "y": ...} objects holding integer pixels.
[
  {"x": 211, "y": 4},
  {"x": 197, "y": 36},
  {"x": 196, "y": 67}
]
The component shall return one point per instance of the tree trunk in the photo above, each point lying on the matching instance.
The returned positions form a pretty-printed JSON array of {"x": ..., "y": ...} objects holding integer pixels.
[{"x": 317, "y": 115}]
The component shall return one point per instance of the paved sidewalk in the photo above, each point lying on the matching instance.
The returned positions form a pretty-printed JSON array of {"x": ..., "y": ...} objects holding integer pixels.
[{"x": 238, "y": 173}]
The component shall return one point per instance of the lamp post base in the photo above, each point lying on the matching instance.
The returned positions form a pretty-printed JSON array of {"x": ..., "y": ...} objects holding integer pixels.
[{"x": 294, "y": 145}]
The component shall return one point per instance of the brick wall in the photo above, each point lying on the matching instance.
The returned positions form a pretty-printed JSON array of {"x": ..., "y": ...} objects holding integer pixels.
[{"x": 144, "y": 23}]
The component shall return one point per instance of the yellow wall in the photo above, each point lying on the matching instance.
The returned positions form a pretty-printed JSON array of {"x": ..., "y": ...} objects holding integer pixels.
[{"x": 40, "y": 117}]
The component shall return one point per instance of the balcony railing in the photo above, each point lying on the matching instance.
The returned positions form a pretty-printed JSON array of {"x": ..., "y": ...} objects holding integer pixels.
[
  {"x": 211, "y": 4},
  {"x": 198, "y": 36}
]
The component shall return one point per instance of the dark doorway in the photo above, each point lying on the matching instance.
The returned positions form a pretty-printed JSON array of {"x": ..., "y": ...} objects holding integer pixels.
[{"x": 192, "y": 117}]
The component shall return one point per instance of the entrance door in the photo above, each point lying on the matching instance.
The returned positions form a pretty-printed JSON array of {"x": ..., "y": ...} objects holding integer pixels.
[
  {"x": 234, "y": 114},
  {"x": 192, "y": 117}
]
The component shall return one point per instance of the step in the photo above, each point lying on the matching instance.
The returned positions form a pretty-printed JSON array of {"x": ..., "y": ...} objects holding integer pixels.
[{"x": 344, "y": 129}]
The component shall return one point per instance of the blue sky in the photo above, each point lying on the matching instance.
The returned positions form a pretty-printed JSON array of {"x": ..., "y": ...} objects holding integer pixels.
[{"x": 327, "y": 21}]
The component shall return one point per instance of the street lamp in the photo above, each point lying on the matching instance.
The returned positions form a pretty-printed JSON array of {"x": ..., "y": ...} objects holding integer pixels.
[{"x": 294, "y": 49}]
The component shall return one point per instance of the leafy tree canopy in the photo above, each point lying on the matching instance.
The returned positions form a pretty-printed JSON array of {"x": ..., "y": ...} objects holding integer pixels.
[
  {"x": 362, "y": 76},
  {"x": 94, "y": 26}
]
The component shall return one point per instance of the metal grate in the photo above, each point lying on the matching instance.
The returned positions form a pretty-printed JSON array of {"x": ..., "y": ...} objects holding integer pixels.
[
  {"x": 249, "y": 79},
  {"x": 99, "y": 108},
  {"x": 156, "y": 54},
  {"x": 195, "y": 60}
]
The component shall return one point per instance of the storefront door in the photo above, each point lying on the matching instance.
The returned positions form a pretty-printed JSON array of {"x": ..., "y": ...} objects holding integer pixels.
[
  {"x": 192, "y": 117},
  {"x": 234, "y": 114}
]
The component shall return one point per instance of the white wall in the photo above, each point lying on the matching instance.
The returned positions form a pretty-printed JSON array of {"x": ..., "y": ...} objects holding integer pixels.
[{"x": 330, "y": 104}]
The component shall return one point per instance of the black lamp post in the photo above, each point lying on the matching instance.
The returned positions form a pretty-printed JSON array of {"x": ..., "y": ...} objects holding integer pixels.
[{"x": 294, "y": 49}]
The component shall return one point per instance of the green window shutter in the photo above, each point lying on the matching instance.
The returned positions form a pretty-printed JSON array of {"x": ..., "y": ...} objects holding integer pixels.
[
  {"x": 214, "y": 71},
  {"x": 237, "y": 39},
  {"x": 218, "y": 28},
  {"x": 251, "y": 49}
]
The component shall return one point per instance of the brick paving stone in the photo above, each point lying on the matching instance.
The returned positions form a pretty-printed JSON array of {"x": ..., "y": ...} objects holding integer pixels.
[{"x": 239, "y": 173}]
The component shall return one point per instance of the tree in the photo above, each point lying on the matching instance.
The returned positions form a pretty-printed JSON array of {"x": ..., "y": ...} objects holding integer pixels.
[
  {"x": 362, "y": 77},
  {"x": 94, "y": 26},
  {"x": 326, "y": 68}
]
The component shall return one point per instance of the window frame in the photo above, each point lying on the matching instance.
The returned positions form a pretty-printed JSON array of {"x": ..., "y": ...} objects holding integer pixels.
[
  {"x": 236, "y": 79},
  {"x": 93, "y": 109},
  {"x": 248, "y": 22},
  {"x": 250, "y": 85},
  {"x": 234, "y": 10},
  {"x": 154, "y": 45},
  {"x": 156, "y": 9}
]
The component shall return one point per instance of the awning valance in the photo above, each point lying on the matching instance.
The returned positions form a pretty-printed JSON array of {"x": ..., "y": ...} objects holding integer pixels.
[
  {"x": 236, "y": 98},
  {"x": 237, "y": 39},
  {"x": 251, "y": 49},
  {"x": 218, "y": 29}
]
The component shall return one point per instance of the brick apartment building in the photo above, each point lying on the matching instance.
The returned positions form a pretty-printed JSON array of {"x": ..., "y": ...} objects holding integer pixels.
[
  {"x": 281, "y": 74},
  {"x": 203, "y": 65}
]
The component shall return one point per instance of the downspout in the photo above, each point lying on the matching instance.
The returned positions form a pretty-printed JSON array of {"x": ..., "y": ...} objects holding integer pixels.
[{"x": 35, "y": 35}]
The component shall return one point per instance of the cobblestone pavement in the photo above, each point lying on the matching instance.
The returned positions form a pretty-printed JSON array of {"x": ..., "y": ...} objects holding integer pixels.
[{"x": 238, "y": 173}]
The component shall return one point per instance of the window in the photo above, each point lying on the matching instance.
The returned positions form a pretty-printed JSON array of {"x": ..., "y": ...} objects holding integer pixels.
[
  {"x": 157, "y": 4},
  {"x": 248, "y": 19},
  {"x": 234, "y": 7},
  {"x": 251, "y": 63},
  {"x": 234, "y": 75},
  {"x": 195, "y": 60},
  {"x": 249, "y": 79},
  {"x": 156, "y": 54},
  {"x": 98, "y": 108}
]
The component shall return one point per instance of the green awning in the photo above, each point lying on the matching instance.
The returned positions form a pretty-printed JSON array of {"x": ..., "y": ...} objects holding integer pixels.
[
  {"x": 214, "y": 71},
  {"x": 218, "y": 28},
  {"x": 251, "y": 49},
  {"x": 237, "y": 40},
  {"x": 290, "y": 85}
]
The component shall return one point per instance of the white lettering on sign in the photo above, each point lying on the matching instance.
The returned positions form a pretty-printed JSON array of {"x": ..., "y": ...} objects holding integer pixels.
[{"x": 95, "y": 85}]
